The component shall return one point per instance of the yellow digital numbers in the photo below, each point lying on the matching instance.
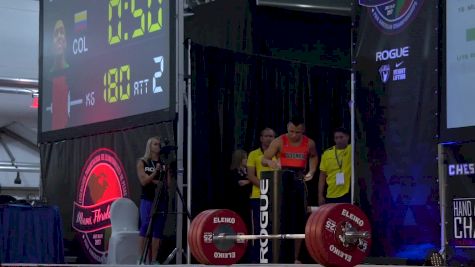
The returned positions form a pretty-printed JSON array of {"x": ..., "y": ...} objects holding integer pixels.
[
  {"x": 138, "y": 13},
  {"x": 114, "y": 39},
  {"x": 117, "y": 84},
  {"x": 119, "y": 10},
  {"x": 152, "y": 27}
]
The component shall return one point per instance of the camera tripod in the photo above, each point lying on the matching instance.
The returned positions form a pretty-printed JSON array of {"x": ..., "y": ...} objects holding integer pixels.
[
  {"x": 175, "y": 251},
  {"x": 153, "y": 214}
]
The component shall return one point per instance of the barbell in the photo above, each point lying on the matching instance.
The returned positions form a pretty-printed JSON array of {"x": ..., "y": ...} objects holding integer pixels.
[{"x": 335, "y": 235}]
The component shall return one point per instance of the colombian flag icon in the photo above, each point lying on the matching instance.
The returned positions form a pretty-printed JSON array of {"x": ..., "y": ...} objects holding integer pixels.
[{"x": 80, "y": 21}]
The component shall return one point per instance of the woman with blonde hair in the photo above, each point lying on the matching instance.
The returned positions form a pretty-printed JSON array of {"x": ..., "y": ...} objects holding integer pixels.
[{"x": 152, "y": 176}]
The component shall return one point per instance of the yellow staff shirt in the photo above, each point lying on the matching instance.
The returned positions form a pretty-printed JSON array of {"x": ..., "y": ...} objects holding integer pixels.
[
  {"x": 330, "y": 164},
  {"x": 255, "y": 160}
]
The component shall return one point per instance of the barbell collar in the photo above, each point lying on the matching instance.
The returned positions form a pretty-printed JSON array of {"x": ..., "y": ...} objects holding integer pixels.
[{"x": 354, "y": 234}]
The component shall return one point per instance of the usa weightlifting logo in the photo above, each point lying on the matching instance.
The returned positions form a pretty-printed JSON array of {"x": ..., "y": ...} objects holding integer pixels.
[
  {"x": 102, "y": 181},
  {"x": 392, "y": 16}
]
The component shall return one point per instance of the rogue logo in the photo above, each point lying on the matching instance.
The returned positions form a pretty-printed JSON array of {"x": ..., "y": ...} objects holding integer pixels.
[
  {"x": 384, "y": 73},
  {"x": 102, "y": 181},
  {"x": 264, "y": 221},
  {"x": 392, "y": 16},
  {"x": 392, "y": 53}
]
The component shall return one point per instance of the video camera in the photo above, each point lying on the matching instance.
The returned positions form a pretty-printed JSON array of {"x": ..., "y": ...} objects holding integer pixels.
[{"x": 167, "y": 152}]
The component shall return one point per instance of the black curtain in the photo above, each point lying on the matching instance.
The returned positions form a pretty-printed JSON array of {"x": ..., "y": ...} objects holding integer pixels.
[
  {"x": 235, "y": 95},
  {"x": 242, "y": 26}
]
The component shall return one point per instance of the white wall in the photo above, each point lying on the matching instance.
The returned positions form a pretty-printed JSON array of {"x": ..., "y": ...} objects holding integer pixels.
[{"x": 19, "y": 45}]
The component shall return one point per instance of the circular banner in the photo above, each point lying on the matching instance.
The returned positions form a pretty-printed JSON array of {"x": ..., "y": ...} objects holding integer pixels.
[
  {"x": 392, "y": 16},
  {"x": 102, "y": 181}
]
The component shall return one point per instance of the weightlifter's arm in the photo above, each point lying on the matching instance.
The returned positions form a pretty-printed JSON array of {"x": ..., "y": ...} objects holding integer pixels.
[
  {"x": 313, "y": 161},
  {"x": 270, "y": 152}
]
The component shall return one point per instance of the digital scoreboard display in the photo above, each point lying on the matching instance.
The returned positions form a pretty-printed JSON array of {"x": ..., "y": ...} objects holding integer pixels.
[
  {"x": 457, "y": 122},
  {"x": 102, "y": 61}
]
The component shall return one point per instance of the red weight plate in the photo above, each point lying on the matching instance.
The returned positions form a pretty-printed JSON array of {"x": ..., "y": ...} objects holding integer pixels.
[
  {"x": 197, "y": 237},
  {"x": 229, "y": 248},
  {"x": 335, "y": 253},
  {"x": 222, "y": 252},
  {"x": 309, "y": 232},
  {"x": 361, "y": 251},
  {"x": 315, "y": 229},
  {"x": 200, "y": 236},
  {"x": 319, "y": 228},
  {"x": 322, "y": 224},
  {"x": 192, "y": 233}
]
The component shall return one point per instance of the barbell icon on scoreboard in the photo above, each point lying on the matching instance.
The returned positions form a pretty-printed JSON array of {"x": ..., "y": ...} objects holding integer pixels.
[{"x": 70, "y": 103}]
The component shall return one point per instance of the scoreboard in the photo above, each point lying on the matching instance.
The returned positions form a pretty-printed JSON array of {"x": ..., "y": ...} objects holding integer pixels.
[{"x": 103, "y": 61}]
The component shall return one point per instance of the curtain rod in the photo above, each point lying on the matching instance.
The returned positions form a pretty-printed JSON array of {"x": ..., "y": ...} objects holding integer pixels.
[{"x": 19, "y": 169}]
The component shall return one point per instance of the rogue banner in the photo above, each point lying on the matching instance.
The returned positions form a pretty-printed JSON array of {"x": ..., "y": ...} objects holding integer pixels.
[{"x": 395, "y": 66}]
